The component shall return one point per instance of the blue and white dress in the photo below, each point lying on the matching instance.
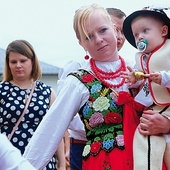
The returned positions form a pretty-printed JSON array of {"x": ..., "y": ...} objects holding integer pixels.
[{"x": 12, "y": 103}]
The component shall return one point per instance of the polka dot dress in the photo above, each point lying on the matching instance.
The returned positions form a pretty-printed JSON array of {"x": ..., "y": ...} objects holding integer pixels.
[{"x": 12, "y": 103}]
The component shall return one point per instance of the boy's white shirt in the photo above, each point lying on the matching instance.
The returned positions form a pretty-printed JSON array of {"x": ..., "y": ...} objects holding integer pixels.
[{"x": 165, "y": 78}]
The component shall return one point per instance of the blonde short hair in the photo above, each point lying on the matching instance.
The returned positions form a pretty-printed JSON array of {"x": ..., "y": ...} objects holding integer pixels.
[{"x": 82, "y": 14}]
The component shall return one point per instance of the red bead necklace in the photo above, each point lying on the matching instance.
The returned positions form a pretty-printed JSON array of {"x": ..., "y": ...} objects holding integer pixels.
[{"x": 103, "y": 75}]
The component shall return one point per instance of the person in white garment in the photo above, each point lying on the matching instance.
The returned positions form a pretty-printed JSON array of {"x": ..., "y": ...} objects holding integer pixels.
[
  {"x": 97, "y": 34},
  {"x": 75, "y": 138},
  {"x": 148, "y": 30},
  {"x": 92, "y": 92},
  {"x": 10, "y": 156}
]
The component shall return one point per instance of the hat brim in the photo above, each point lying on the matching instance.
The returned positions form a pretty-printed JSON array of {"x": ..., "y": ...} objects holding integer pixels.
[{"x": 127, "y": 23}]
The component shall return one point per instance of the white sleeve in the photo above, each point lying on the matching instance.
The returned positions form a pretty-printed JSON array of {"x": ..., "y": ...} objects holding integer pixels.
[
  {"x": 11, "y": 158},
  {"x": 165, "y": 78},
  {"x": 68, "y": 68},
  {"x": 49, "y": 133}
]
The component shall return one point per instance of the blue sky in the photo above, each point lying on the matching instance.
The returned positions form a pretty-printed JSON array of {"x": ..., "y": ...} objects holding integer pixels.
[{"x": 47, "y": 25}]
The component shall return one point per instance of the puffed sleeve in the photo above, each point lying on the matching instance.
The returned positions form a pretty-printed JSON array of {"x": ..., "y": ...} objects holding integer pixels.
[{"x": 71, "y": 94}]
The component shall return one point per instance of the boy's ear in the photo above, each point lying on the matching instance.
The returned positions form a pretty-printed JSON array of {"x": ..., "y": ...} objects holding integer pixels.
[{"x": 165, "y": 30}]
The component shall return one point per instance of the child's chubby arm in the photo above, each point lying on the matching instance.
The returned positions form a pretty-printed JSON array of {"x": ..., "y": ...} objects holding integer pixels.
[
  {"x": 156, "y": 77},
  {"x": 162, "y": 78},
  {"x": 165, "y": 78}
]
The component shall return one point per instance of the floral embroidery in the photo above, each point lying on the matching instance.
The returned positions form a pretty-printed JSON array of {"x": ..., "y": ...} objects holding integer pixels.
[
  {"x": 146, "y": 88},
  {"x": 120, "y": 140},
  {"x": 87, "y": 125},
  {"x": 107, "y": 145},
  {"x": 112, "y": 117},
  {"x": 101, "y": 103},
  {"x": 80, "y": 73},
  {"x": 102, "y": 118},
  {"x": 89, "y": 103},
  {"x": 106, "y": 165},
  {"x": 86, "y": 111},
  {"x": 95, "y": 148},
  {"x": 87, "y": 78},
  {"x": 86, "y": 151},
  {"x": 96, "y": 88},
  {"x": 113, "y": 96},
  {"x": 104, "y": 92},
  {"x": 96, "y": 119}
]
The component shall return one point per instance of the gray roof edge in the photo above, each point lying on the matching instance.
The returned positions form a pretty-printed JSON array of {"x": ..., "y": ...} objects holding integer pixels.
[{"x": 45, "y": 67}]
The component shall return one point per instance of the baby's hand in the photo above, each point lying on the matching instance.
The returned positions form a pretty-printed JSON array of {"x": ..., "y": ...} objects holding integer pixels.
[{"x": 156, "y": 78}]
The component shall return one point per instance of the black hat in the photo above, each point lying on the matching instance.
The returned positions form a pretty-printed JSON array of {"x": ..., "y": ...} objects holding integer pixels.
[{"x": 157, "y": 12}]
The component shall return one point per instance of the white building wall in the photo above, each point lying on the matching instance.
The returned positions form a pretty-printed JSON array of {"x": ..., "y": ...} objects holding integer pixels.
[{"x": 50, "y": 80}]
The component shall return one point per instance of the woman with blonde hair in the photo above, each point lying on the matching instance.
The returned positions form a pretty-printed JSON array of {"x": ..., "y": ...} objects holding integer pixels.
[{"x": 92, "y": 92}]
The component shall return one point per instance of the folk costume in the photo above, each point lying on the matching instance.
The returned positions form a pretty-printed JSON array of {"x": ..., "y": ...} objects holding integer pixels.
[
  {"x": 109, "y": 133},
  {"x": 76, "y": 128},
  {"x": 103, "y": 123},
  {"x": 160, "y": 95},
  {"x": 149, "y": 150}
]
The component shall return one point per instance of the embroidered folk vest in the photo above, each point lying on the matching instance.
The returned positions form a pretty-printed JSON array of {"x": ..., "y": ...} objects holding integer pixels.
[
  {"x": 159, "y": 60},
  {"x": 101, "y": 116}
]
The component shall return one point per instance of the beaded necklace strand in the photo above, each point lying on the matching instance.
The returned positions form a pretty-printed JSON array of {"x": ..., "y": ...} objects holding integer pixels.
[{"x": 103, "y": 75}]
